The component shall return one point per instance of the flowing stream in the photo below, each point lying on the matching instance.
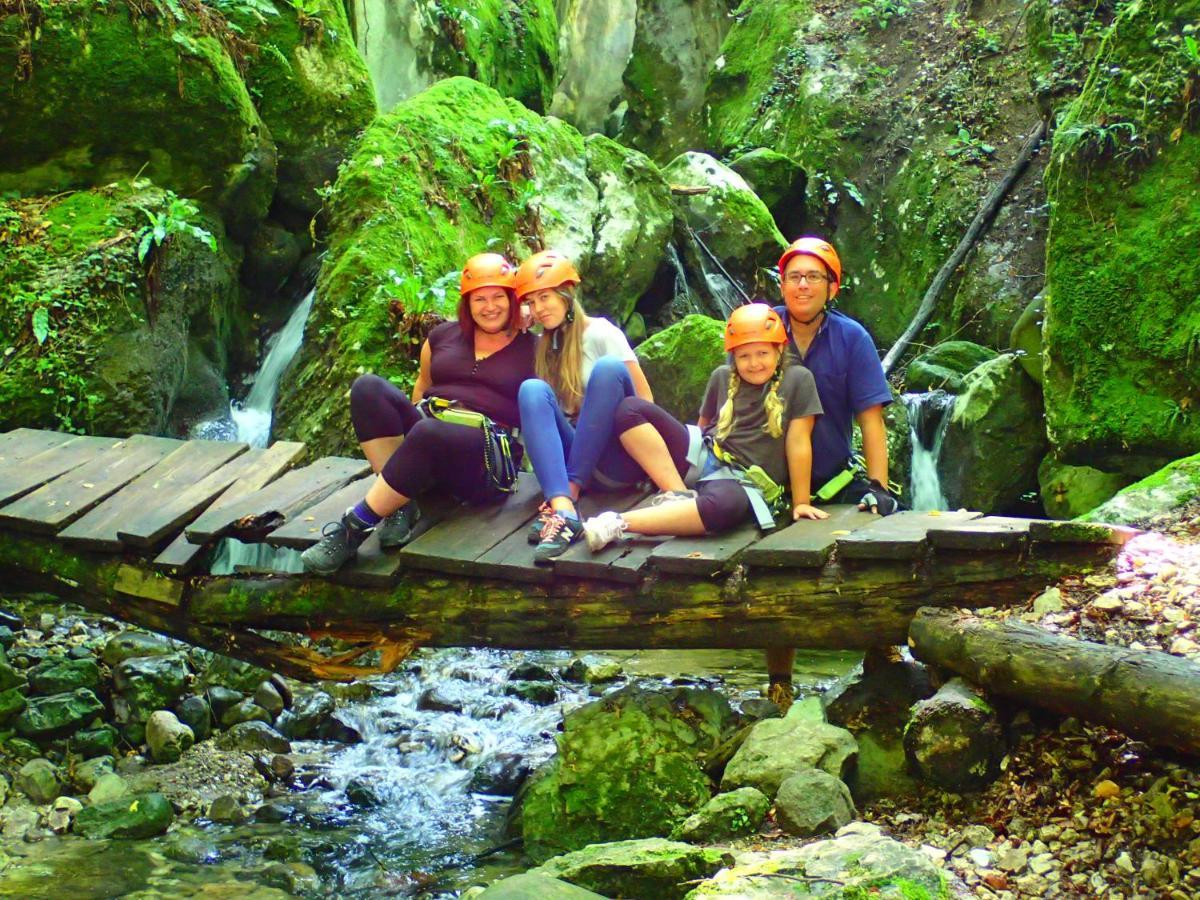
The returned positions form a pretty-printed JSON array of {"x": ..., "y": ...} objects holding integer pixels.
[{"x": 928, "y": 416}]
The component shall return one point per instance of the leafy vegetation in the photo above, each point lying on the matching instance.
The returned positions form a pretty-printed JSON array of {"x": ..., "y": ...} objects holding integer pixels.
[
  {"x": 879, "y": 12},
  {"x": 176, "y": 217}
]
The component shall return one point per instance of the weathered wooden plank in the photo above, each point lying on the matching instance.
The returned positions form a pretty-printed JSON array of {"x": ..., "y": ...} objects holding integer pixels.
[
  {"x": 902, "y": 535},
  {"x": 304, "y": 529},
  {"x": 621, "y": 561},
  {"x": 987, "y": 533},
  {"x": 19, "y": 477},
  {"x": 807, "y": 544},
  {"x": 375, "y": 567},
  {"x": 455, "y": 546},
  {"x": 706, "y": 555},
  {"x": 55, "y": 505},
  {"x": 1080, "y": 533},
  {"x": 98, "y": 529},
  {"x": 250, "y": 517},
  {"x": 23, "y": 443}
]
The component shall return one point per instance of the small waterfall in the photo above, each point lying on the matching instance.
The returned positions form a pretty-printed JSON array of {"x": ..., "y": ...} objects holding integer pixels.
[{"x": 928, "y": 416}]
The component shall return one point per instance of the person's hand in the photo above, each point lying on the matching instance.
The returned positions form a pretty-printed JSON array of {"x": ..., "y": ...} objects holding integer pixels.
[
  {"x": 526, "y": 317},
  {"x": 878, "y": 500},
  {"x": 807, "y": 511}
]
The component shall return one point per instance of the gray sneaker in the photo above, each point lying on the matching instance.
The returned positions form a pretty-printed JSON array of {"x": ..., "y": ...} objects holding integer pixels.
[
  {"x": 396, "y": 530},
  {"x": 339, "y": 543},
  {"x": 533, "y": 533}
]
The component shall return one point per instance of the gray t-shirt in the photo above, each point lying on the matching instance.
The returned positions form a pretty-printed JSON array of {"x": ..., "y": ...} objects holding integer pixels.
[{"x": 749, "y": 443}]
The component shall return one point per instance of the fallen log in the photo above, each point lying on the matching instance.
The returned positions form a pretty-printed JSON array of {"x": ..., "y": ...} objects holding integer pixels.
[
  {"x": 954, "y": 739},
  {"x": 1147, "y": 694}
]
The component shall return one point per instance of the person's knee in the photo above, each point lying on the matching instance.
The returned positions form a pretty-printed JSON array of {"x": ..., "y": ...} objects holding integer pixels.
[
  {"x": 609, "y": 370},
  {"x": 532, "y": 393},
  {"x": 368, "y": 391},
  {"x": 630, "y": 413},
  {"x": 722, "y": 508}
]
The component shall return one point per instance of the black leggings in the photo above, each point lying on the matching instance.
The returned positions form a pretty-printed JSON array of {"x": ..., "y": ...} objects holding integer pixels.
[
  {"x": 722, "y": 503},
  {"x": 434, "y": 453}
]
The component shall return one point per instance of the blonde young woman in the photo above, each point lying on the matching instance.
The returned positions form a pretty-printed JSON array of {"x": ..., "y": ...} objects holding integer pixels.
[{"x": 585, "y": 368}]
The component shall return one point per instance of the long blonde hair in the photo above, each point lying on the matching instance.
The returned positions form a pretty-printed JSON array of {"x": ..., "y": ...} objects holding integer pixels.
[
  {"x": 562, "y": 368},
  {"x": 772, "y": 402}
]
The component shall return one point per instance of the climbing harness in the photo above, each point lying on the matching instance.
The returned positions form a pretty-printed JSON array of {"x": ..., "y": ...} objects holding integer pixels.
[
  {"x": 498, "y": 459},
  {"x": 854, "y": 468},
  {"x": 707, "y": 461}
]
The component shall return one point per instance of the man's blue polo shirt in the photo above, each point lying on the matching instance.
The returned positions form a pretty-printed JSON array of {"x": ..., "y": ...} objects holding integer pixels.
[{"x": 845, "y": 364}]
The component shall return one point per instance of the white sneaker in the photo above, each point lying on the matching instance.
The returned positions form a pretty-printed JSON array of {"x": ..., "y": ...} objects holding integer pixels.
[{"x": 603, "y": 529}]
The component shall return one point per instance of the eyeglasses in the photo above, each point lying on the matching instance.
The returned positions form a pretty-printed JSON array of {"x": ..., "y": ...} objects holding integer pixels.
[{"x": 813, "y": 278}]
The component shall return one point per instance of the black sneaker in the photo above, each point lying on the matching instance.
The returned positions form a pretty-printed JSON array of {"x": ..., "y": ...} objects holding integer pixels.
[
  {"x": 534, "y": 533},
  {"x": 339, "y": 542},
  {"x": 560, "y": 532},
  {"x": 396, "y": 530}
]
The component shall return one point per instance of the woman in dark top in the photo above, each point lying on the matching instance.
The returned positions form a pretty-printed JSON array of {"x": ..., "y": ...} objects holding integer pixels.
[{"x": 469, "y": 367}]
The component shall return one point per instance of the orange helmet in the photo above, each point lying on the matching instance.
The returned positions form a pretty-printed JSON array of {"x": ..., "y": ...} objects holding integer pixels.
[
  {"x": 547, "y": 269},
  {"x": 486, "y": 270},
  {"x": 754, "y": 322},
  {"x": 822, "y": 250}
]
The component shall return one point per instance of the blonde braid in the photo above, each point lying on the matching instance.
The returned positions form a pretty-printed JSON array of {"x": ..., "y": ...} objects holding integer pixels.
[
  {"x": 773, "y": 403},
  {"x": 725, "y": 417}
]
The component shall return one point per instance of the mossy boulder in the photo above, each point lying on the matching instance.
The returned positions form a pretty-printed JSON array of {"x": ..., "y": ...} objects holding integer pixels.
[
  {"x": 1165, "y": 491},
  {"x": 725, "y": 817},
  {"x": 944, "y": 366},
  {"x": 97, "y": 91},
  {"x": 777, "y": 748},
  {"x": 449, "y": 173},
  {"x": 1122, "y": 324},
  {"x": 95, "y": 339},
  {"x": 720, "y": 211},
  {"x": 136, "y": 816},
  {"x": 645, "y": 868},
  {"x": 995, "y": 438},
  {"x": 143, "y": 684},
  {"x": 1026, "y": 337},
  {"x": 678, "y": 361},
  {"x": 1070, "y": 491},
  {"x": 535, "y": 886},
  {"x": 59, "y": 674},
  {"x": 628, "y": 766},
  {"x": 781, "y": 183},
  {"x": 59, "y": 715}
]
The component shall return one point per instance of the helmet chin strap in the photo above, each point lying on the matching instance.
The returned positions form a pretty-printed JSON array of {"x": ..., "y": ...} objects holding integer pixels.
[
  {"x": 555, "y": 332},
  {"x": 820, "y": 312}
]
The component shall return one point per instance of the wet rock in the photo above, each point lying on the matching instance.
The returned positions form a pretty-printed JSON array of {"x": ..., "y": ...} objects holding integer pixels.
[
  {"x": 62, "y": 813},
  {"x": 85, "y": 775},
  {"x": 757, "y": 708},
  {"x": 6, "y": 637},
  {"x": 1169, "y": 488},
  {"x": 271, "y": 254},
  {"x": 245, "y": 711},
  {"x": 679, "y": 360},
  {"x": 502, "y": 775},
  {"x": 190, "y": 847},
  {"x": 813, "y": 802},
  {"x": 1071, "y": 491},
  {"x": 360, "y": 792},
  {"x": 1050, "y": 600},
  {"x": 3, "y": 790},
  {"x": 12, "y": 704},
  {"x": 592, "y": 670},
  {"x": 266, "y": 695},
  {"x": 232, "y": 673},
  {"x": 221, "y": 699},
  {"x": 95, "y": 741},
  {"x": 19, "y": 749},
  {"x": 9, "y": 676},
  {"x": 108, "y": 788},
  {"x": 943, "y": 367},
  {"x": 297, "y": 878},
  {"x": 274, "y": 811},
  {"x": 779, "y": 181},
  {"x": 776, "y": 748},
  {"x": 226, "y": 810},
  {"x": 529, "y": 671},
  {"x": 439, "y": 698},
  {"x": 127, "y": 644},
  {"x": 642, "y": 868},
  {"x": 954, "y": 739},
  {"x": 307, "y": 714},
  {"x": 337, "y": 729},
  {"x": 19, "y": 822},
  {"x": 535, "y": 886},
  {"x": 57, "y": 676},
  {"x": 194, "y": 712},
  {"x": 167, "y": 737},
  {"x": 60, "y": 715},
  {"x": 725, "y": 817},
  {"x": 38, "y": 780},
  {"x": 134, "y": 816},
  {"x": 539, "y": 693},
  {"x": 254, "y": 736},
  {"x": 143, "y": 684}
]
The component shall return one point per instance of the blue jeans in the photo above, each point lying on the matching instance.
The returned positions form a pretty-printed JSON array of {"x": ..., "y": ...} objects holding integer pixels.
[{"x": 562, "y": 453}]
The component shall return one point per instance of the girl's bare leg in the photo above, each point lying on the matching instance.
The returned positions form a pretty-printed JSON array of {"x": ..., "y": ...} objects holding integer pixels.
[
  {"x": 649, "y": 451},
  {"x": 680, "y": 518}
]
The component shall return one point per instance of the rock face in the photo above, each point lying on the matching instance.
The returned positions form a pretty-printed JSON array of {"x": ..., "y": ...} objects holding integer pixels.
[
  {"x": 725, "y": 817},
  {"x": 1070, "y": 491},
  {"x": 780, "y": 183},
  {"x": 777, "y": 748},
  {"x": 732, "y": 223},
  {"x": 139, "y": 816},
  {"x": 1170, "y": 488},
  {"x": 813, "y": 802},
  {"x": 678, "y": 361},
  {"x": 452, "y": 171},
  {"x": 645, "y": 868},
  {"x": 994, "y": 441},
  {"x": 944, "y": 366},
  {"x": 627, "y": 767},
  {"x": 1121, "y": 373}
]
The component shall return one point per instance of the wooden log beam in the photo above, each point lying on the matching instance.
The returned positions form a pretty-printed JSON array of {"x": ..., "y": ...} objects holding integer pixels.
[{"x": 1144, "y": 693}]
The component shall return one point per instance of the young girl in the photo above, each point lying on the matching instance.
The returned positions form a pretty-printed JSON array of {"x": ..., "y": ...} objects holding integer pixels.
[
  {"x": 757, "y": 419},
  {"x": 585, "y": 367}
]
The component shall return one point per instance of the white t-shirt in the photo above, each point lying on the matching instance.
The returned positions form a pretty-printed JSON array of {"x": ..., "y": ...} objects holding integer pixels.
[{"x": 603, "y": 338}]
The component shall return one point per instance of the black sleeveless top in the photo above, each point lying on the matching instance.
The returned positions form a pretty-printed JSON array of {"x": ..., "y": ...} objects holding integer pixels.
[{"x": 487, "y": 385}]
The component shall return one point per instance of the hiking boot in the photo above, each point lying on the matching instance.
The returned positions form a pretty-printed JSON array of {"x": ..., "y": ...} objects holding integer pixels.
[
  {"x": 396, "y": 530},
  {"x": 534, "y": 532},
  {"x": 339, "y": 542},
  {"x": 603, "y": 529},
  {"x": 672, "y": 496},
  {"x": 782, "y": 694},
  {"x": 560, "y": 532}
]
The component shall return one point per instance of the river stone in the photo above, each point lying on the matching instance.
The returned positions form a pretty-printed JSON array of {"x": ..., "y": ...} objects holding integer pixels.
[
  {"x": 535, "y": 886},
  {"x": 308, "y": 712},
  {"x": 20, "y": 750},
  {"x": 95, "y": 741},
  {"x": 223, "y": 698},
  {"x": 679, "y": 360},
  {"x": 85, "y": 775},
  {"x": 943, "y": 367},
  {"x": 995, "y": 438},
  {"x": 12, "y": 703},
  {"x": 529, "y": 671},
  {"x": 143, "y": 684},
  {"x": 337, "y": 728},
  {"x": 9, "y": 676},
  {"x": 254, "y": 736},
  {"x": 233, "y": 673},
  {"x": 1168, "y": 489},
  {"x": 652, "y": 867},
  {"x": 108, "y": 787},
  {"x": 440, "y": 698},
  {"x": 776, "y": 748},
  {"x": 627, "y": 766},
  {"x": 194, "y": 712},
  {"x": 502, "y": 775},
  {"x": 226, "y": 810},
  {"x": 60, "y": 715},
  {"x": 813, "y": 802},
  {"x": 7, "y": 637},
  {"x": 954, "y": 739},
  {"x": 591, "y": 670},
  {"x": 540, "y": 693},
  {"x": 725, "y": 817},
  {"x": 267, "y": 696},
  {"x": 38, "y": 780},
  {"x": 245, "y": 711},
  {"x": 127, "y": 644},
  {"x": 167, "y": 737},
  {"x": 360, "y": 792},
  {"x": 62, "y": 813},
  {"x": 133, "y": 816},
  {"x": 1071, "y": 491},
  {"x": 57, "y": 676}
]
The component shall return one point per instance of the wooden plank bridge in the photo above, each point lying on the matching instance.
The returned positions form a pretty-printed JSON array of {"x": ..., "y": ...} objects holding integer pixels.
[{"x": 127, "y": 525}]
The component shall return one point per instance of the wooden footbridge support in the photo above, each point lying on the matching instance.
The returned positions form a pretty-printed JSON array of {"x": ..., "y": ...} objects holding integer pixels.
[{"x": 125, "y": 526}]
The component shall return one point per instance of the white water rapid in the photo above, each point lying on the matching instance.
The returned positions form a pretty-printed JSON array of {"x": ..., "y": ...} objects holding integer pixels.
[{"x": 928, "y": 416}]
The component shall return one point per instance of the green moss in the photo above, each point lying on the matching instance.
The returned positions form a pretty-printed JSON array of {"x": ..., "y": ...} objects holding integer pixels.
[{"x": 678, "y": 361}]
